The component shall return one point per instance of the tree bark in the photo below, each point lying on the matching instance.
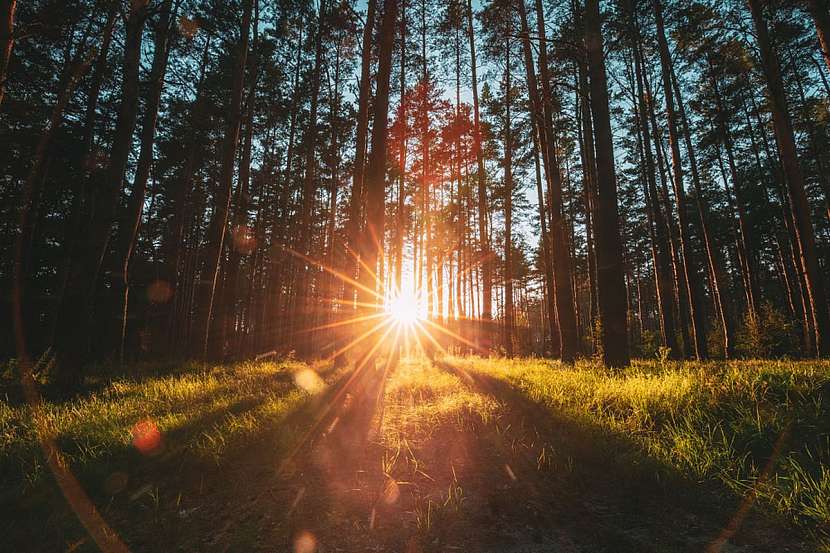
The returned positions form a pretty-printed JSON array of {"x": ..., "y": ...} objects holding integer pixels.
[
  {"x": 352, "y": 258},
  {"x": 717, "y": 285},
  {"x": 74, "y": 314},
  {"x": 690, "y": 263},
  {"x": 795, "y": 182},
  {"x": 217, "y": 229},
  {"x": 303, "y": 315},
  {"x": 540, "y": 146},
  {"x": 509, "y": 315},
  {"x": 128, "y": 230},
  {"x": 820, "y": 10},
  {"x": 7, "y": 9},
  {"x": 662, "y": 257},
  {"x": 372, "y": 251},
  {"x": 610, "y": 279},
  {"x": 560, "y": 255},
  {"x": 485, "y": 260}
]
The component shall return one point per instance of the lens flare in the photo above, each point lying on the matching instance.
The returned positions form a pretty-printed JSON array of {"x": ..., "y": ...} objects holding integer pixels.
[{"x": 404, "y": 309}]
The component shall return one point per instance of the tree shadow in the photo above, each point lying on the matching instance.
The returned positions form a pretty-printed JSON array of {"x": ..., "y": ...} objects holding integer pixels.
[
  {"x": 161, "y": 498},
  {"x": 598, "y": 489}
]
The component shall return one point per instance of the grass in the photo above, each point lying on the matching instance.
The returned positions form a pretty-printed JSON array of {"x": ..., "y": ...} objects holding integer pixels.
[
  {"x": 459, "y": 440},
  {"x": 760, "y": 428}
]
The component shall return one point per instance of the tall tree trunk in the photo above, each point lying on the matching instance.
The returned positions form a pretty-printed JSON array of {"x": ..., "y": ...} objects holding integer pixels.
[
  {"x": 330, "y": 286},
  {"x": 743, "y": 242},
  {"x": 662, "y": 257},
  {"x": 354, "y": 225},
  {"x": 7, "y": 9},
  {"x": 540, "y": 146},
  {"x": 241, "y": 233},
  {"x": 399, "y": 232},
  {"x": 128, "y": 230},
  {"x": 690, "y": 262},
  {"x": 717, "y": 285},
  {"x": 303, "y": 316},
  {"x": 589, "y": 178},
  {"x": 217, "y": 229},
  {"x": 682, "y": 298},
  {"x": 560, "y": 255},
  {"x": 509, "y": 316},
  {"x": 610, "y": 279},
  {"x": 485, "y": 256},
  {"x": 820, "y": 9},
  {"x": 372, "y": 251},
  {"x": 173, "y": 241},
  {"x": 795, "y": 182},
  {"x": 280, "y": 270},
  {"x": 74, "y": 315}
]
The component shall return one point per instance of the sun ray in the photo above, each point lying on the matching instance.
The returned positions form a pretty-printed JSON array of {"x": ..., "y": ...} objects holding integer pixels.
[
  {"x": 452, "y": 334},
  {"x": 428, "y": 334},
  {"x": 335, "y": 401},
  {"x": 349, "y": 303},
  {"x": 345, "y": 278},
  {"x": 357, "y": 340},
  {"x": 344, "y": 322}
]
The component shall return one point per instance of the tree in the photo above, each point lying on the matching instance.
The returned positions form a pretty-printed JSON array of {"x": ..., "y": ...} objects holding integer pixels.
[
  {"x": 795, "y": 181},
  {"x": 7, "y": 9},
  {"x": 75, "y": 310},
  {"x": 217, "y": 229},
  {"x": 610, "y": 274}
]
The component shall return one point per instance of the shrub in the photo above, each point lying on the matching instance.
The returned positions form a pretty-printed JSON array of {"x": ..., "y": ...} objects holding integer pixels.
[{"x": 769, "y": 335}]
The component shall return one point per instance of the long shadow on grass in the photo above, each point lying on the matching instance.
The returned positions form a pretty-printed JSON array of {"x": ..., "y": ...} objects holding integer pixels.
[
  {"x": 155, "y": 501},
  {"x": 603, "y": 490},
  {"x": 337, "y": 477}
]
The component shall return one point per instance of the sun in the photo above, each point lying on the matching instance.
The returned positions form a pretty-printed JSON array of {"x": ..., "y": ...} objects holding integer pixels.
[{"x": 404, "y": 309}]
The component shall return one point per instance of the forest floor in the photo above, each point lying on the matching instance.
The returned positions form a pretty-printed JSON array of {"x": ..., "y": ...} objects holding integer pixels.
[{"x": 455, "y": 454}]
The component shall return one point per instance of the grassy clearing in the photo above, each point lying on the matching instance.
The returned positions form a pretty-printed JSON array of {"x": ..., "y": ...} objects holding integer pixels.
[
  {"x": 197, "y": 411},
  {"x": 758, "y": 427},
  {"x": 481, "y": 454},
  {"x": 430, "y": 417}
]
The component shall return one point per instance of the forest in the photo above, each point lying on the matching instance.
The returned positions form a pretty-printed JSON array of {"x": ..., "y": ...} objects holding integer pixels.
[{"x": 249, "y": 221}]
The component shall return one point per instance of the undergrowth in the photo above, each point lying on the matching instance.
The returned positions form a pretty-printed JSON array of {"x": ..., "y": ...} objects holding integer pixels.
[{"x": 761, "y": 428}]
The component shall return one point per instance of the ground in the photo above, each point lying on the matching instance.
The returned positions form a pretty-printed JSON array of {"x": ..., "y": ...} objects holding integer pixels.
[{"x": 450, "y": 454}]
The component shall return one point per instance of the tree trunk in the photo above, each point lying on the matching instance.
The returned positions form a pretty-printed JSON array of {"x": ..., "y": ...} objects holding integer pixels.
[
  {"x": 795, "y": 182},
  {"x": 716, "y": 282},
  {"x": 561, "y": 260},
  {"x": 303, "y": 316},
  {"x": 372, "y": 251},
  {"x": 217, "y": 229},
  {"x": 610, "y": 279},
  {"x": 485, "y": 257},
  {"x": 75, "y": 312},
  {"x": 128, "y": 230},
  {"x": 820, "y": 9},
  {"x": 7, "y": 9},
  {"x": 743, "y": 242},
  {"x": 509, "y": 316},
  {"x": 690, "y": 263},
  {"x": 662, "y": 257},
  {"x": 540, "y": 146},
  {"x": 353, "y": 225}
]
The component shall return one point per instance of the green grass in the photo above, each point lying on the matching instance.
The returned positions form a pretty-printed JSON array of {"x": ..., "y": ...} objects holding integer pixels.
[
  {"x": 753, "y": 426},
  {"x": 200, "y": 412},
  {"x": 448, "y": 433}
]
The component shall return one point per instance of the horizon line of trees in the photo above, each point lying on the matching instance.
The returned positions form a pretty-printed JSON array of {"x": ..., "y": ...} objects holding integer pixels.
[{"x": 209, "y": 179}]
